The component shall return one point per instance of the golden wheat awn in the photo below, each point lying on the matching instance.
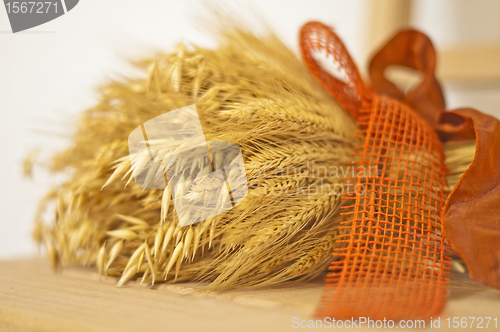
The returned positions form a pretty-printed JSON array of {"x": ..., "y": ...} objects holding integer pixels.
[{"x": 249, "y": 91}]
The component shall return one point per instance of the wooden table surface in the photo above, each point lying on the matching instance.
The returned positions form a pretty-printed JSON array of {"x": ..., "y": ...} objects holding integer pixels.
[{"x": 33, "y": 298}]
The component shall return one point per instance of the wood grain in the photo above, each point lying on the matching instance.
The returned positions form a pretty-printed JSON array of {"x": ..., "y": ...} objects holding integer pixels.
[{"x": 33, "y": 298}]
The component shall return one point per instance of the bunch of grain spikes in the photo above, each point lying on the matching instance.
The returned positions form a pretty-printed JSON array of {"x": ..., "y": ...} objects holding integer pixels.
[{"x": 249, "y": 91}]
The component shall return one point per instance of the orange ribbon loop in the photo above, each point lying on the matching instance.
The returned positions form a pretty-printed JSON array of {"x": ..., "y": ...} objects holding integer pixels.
[{"x": 317, "y": 37}]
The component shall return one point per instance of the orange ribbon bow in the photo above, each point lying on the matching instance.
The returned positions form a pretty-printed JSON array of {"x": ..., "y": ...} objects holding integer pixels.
[{"x": 392, "y": 260}]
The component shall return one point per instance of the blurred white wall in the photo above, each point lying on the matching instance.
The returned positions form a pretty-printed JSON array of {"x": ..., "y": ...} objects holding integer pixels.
[{"x": 48, "y": 74}]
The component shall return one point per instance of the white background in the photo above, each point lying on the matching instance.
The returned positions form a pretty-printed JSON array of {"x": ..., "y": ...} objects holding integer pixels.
[{"x": 49, "y": 74}]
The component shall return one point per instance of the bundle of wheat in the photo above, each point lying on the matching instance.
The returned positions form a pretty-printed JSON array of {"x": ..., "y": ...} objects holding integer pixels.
[
  {"x": 253, "y": 92},
  {"x": 295, "y": 142}
]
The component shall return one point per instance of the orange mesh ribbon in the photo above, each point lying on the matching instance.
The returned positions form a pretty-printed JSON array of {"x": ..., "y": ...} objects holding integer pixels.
[
  {"x": 471, "y": 216},
  {"x": 392, "y": 260}
]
